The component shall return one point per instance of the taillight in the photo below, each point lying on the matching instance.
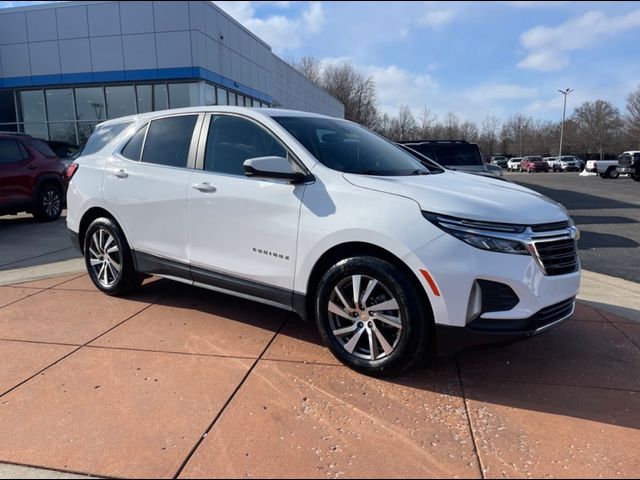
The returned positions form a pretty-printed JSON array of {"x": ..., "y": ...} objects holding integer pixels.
[{"x": 71, "y": 170}]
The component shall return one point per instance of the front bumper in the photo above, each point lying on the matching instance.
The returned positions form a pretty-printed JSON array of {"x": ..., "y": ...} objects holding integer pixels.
[
  {"x": 628, "y": 170},
  {"x": 453, "y": 340}
]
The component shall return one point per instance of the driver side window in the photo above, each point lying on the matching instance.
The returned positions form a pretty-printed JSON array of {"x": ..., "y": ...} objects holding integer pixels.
[{"x": 232, "y": 140}]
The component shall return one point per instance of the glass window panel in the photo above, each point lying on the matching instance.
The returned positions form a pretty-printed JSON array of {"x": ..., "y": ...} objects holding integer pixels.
[
  {"x": 233, "y": 100},
  {"x": 209, "y": 94},
  {"x": 85, "y": 129},
  {"x": 133, "y": 148},
  {"x": 160, "y": 101},
  {"x": 168, "y": 141},
  {"x": 253, "y": 103},
  {"x": 7, "y": 107},
  {"x": 184, "y": 95},
  {"x": 121, "y": 101},
  {"x": 37, "y": 130},
  {"x": 90, "y": 103},
  {"x": 222, "y": 97},
  {"x": 60, "y": 105},
  {"x": 43, "y": 147},
  {"x": 145, "y": 101},
  {"x": 233, "y": 140},
  {"x": 9, "y": 127},
  {"x": 63, "y": 132},
  {"x": 32, "y": 106}
]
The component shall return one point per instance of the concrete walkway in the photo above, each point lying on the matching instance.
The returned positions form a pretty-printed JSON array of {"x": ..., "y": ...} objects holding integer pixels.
[{"x": 182, "y": 382}]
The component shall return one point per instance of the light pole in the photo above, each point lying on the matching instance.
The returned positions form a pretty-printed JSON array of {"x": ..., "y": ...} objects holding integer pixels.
[{"x": 564, "y": 111}]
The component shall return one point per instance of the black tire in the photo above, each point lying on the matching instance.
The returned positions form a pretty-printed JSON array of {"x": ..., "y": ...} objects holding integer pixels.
[
  {"x": 603, "y": 175},
  {"x": 408, "y": 344},
  {"x": 48, "y": 203},
  {"x": 612, "y": 173},
  {"x": 636, "y": 177},
  {"x": 110, "y": 280}
]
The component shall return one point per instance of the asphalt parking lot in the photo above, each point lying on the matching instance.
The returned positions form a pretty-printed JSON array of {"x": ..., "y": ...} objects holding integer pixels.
[{"x": 607, "y": 213}]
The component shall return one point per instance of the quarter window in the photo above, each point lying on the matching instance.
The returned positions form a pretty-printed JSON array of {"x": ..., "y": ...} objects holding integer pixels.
[
  {"x": 232, "y": 140},
  {"x": 168, "y": 141},
  {"x": 133, "y": 148}
]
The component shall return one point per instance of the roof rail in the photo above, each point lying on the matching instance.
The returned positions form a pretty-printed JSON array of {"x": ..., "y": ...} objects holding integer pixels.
[{"x": 433, "y": 141}]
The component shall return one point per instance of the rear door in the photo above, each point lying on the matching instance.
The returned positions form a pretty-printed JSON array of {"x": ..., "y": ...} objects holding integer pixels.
[
  {"x": 17, "y": 173},
  {"x": 145, "y": 186}
]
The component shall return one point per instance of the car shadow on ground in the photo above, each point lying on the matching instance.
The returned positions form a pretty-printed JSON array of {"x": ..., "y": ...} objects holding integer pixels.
[
  {"x": 573, "y": 200},
  {"x": 589, "y": 240},
  {"x": 584, "y": 369}
]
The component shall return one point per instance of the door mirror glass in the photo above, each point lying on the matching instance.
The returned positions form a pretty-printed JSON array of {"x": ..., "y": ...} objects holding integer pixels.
[{"x": 273, "y": 167}]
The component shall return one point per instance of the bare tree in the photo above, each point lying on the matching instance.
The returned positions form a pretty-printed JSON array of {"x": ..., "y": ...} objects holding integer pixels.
[
  {"x": 310, "y": 68},
  {"x": 489, "y": 134},
  {"x": 599, "y": 124},
  {"x": 404, "y": 126},
  {"x": 426, "y": 123},
  {"x": 633, "y": 118}
]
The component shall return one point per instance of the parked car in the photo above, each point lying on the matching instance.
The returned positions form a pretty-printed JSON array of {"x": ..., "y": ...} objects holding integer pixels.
[
  {"x": 568, "y": 163},
  {"x": 604, "y": 168},
  {"x": 629, "y": 163},
  {"x": 453, "y": 155},
  {"x": 32, "y": 177},
  {"x": 392, "y": 259},
  {"x": 553, "y": 163},
  {"x": 500, "y": 161},
  {"x": 513, "y": 165},
  {"x": 533, "y": 164}
]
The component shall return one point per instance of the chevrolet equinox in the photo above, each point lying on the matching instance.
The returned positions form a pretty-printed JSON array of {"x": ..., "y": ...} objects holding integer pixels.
[{"x": 392, "y": 258}]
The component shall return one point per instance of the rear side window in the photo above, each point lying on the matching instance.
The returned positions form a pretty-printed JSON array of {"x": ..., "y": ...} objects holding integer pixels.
[
  {"x": 168, "y": 141},
  {"x": 10, "y": 151},
  {"x": 43, "y": 148},
  {"x": 133, "y": 148},
  {"x": 102, "y": 135}
]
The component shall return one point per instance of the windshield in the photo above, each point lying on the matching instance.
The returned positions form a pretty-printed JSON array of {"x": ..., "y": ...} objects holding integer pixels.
[
  {"x": 450, "y": 154},
  {"x": 350, "y": 148}
]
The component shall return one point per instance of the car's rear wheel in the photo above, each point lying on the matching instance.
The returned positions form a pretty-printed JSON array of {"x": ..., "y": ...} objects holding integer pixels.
[
  {"x": 369, "y": 317},
  {"x": 108, "y": 258},
  {"x": 49, "y": 203}
]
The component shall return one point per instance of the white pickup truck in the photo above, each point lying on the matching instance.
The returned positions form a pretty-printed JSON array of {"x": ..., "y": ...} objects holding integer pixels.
[{"x": 605, "y": 168}]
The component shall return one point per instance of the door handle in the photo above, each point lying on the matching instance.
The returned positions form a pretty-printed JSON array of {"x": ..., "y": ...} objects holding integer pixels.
[
  {"x": 120, "y": 173},
  {"x": 32, "y": 167},
  {"x": 204, "y": 187}
]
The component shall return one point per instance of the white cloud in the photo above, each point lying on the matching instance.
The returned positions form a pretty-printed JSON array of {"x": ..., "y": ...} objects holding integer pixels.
[
  {"x": 549, "y": 47},
  {"x": 537, "y": 3},
  {"x": 279, "y": 31},
  {"x": 499, "y": 91},
  {"x": 437, "y": 18}
]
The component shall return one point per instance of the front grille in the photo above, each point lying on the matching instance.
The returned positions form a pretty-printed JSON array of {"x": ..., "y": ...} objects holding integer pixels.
[
  {"x": 625, "y": 161},
  {"x": 549, "y": 227},
  {"x": 559, "y": 257},
  {"x": 553, "y": 313}
]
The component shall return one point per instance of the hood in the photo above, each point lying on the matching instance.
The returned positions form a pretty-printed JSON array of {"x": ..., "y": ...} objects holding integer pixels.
[{"x": 468, "y": 196}]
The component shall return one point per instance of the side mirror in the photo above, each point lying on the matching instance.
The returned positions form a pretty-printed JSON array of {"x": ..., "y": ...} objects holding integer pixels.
[{"x": 273, "y": 167}]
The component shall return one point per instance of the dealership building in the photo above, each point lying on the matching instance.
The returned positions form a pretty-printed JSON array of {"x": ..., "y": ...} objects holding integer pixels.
[{"x": 65, "y": 67}]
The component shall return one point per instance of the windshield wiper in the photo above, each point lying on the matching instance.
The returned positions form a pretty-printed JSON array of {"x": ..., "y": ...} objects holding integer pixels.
[{"x": 420, "y": 172}]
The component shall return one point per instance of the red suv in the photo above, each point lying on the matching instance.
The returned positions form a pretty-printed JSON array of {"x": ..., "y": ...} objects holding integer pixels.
[
  {"x": 533, "y": 164},
  {"x": 32, "y": 177}
]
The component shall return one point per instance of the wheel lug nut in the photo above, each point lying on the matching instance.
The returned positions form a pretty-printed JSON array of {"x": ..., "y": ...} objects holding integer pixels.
[{"x": 360, "y": 325}]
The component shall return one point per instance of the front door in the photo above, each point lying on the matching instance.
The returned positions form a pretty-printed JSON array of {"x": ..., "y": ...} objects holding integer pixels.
[{"x": 242, "y": 231}]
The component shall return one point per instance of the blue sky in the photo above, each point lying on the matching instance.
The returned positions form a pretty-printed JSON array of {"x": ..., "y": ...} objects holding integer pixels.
[{"x": 471, "y": 58}]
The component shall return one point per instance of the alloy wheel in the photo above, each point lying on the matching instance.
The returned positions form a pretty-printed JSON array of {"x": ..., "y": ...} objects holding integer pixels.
[
  {"x": 51, "y": 203},
  {"x": 105, "y": 257},
  {"x": 365, "y": 317}
]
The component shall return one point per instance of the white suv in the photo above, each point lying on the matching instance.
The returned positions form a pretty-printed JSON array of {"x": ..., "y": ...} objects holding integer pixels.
[{"x": 390, "y": 257}]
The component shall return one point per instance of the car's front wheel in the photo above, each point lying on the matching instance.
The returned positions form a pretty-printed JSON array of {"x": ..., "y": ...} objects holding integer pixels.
[
  {"x": 369, "y": 316},
  {"x": 613, "y": 173},
  {"x": 108, "y": 258}
]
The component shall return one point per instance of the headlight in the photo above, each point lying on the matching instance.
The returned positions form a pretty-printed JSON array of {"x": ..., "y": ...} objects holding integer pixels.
[{"x": 479, "y": 234}]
